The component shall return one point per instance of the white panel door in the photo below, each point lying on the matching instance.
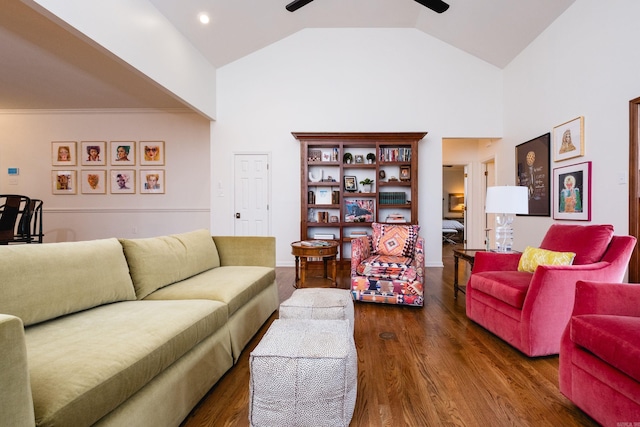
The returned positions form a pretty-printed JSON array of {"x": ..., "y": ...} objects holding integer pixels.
[{"x": 251, "y": 195}]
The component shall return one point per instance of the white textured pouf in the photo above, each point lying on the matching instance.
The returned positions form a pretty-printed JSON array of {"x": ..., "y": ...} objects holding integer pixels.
[
  {"x": 303, "y": 373},
  {"x": 319, "y": 303}
]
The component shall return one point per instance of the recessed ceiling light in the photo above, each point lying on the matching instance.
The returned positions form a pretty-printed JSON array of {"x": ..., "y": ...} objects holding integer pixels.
[{"x": 204, "y": 18}]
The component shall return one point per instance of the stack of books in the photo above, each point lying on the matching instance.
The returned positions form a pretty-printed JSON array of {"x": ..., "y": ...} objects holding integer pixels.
[
  {"x": 324, "y": 236},
  {"x": 356, "y": 234},
  {"x": 396, "y": 218}
]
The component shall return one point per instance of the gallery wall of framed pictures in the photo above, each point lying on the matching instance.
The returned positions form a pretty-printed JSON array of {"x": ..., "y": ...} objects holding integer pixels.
[
  {"x": 81, "y": 167},
  {"x": 569, "y": 186}
]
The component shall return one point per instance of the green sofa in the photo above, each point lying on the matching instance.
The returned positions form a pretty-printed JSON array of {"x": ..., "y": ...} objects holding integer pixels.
[{"x": 126, "y": 332}]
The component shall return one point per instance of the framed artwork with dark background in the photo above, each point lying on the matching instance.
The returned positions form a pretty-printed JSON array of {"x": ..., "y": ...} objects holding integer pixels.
[{"x": 532, "y": 171}]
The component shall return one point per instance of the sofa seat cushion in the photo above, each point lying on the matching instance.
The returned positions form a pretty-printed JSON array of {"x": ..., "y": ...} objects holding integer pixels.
[
  {"x": 160, "y": 261},
  {"x": 509, "y": 287},
  {"x": 387, "y": 267},
  {"x": 232, "y": 285},
  {"x": 84, "y": 365},
  {"x": 588, "y": 242},
  {"x": 614, "y": 339}
]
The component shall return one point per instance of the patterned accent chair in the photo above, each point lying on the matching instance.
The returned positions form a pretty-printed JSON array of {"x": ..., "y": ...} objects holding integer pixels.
[{"x": 388, "y": 266}]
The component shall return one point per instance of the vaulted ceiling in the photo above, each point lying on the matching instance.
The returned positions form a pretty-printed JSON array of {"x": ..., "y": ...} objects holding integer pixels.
[{"x": 44, "y": 66}]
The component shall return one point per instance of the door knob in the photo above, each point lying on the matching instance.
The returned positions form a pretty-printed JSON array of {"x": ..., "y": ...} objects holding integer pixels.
[{"x": 238, "y": 215}]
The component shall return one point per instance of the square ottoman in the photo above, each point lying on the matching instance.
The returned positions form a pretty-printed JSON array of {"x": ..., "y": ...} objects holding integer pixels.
[
  {"x": 303, "y": 373},
  {"x": 319, "y": 303}
]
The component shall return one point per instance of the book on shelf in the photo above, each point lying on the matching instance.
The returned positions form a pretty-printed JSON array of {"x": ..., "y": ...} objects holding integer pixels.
[
  {"x": 324, "y": 236},
  {"x": 356, "y": 234},
  {"x": 396, "y": 218},
  {"x": 315, "y": 243}
]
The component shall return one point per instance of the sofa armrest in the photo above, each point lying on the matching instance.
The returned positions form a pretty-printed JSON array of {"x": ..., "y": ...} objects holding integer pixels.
[
  {"x": 620, "y": 299},
  {"x": 360, "y": 250},
  {"x": 246, "y": 250},
  {"x": 16, "y": 401},
  {"x": 494, "y": 261}
]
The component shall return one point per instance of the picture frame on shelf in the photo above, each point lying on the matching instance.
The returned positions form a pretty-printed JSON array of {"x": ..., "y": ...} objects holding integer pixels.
[
  {"x": 532, "y": 171},
  {"x": 63, "y": 181},
  {"x": 356, "y": 210},
  {"x": 405, "y": 173},
  {"x": 350, "y": 183},
  {"x": 63, "y": 153},
  {"x": 93, "y": 181},
  {"x": 123, "y": 181},
  {"x": 568, "y": 140},
  {"x": 359, "y": 158},
  {"x": 572, "y": 192},
  {"x": 93, "y": 153},
  {"x": 323, "y": 196},
  {"x": 123, "y": 153}
]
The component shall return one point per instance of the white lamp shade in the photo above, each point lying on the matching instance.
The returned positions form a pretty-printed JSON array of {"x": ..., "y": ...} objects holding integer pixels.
[{"x": 510, "y": 199}]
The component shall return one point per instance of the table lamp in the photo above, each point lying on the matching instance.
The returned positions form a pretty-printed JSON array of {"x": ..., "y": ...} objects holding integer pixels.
[{"x": 505, "y": 202}]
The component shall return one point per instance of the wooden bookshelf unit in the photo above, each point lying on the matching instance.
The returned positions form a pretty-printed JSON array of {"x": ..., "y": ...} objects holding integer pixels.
[{"x": 335, "y": 205}]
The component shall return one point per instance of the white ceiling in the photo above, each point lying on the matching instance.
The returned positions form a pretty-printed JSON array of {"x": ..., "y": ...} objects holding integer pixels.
[{"x": 43, "y": 66}]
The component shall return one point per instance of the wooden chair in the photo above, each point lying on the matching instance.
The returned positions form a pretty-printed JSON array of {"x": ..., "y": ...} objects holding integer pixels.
[{"x": 29, "y": 228}]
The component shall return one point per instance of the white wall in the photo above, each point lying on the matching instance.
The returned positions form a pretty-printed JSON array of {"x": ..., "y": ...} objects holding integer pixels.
[
  {"x": 349, "y": 80},
  {"x": 585, "y": 64},
  {"x": 25, "y": 143}
]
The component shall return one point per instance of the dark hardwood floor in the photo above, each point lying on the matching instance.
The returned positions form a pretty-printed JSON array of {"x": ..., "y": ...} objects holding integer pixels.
[{"x": 422, "y": 367}]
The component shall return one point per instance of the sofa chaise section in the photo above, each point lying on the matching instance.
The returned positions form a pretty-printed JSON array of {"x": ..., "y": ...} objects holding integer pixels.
[{"x": 238, "y": 271}]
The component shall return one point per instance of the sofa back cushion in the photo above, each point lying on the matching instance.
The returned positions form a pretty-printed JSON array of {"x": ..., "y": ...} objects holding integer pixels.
[
  {"x": 160, "y": 261},
  {"x": 588, "y": 242},
  {"x": 42, "y": 282}
]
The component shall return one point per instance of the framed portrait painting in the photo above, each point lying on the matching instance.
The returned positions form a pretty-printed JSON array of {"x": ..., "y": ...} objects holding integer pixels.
[
  {"x": 151, "y": 153},
  {"x": 572, "y": 192},
  {"x": 532, "y": 171},
  {"x": 63, "y": 182},
  {"x": 63, "y": 153},
  {"x": 123, "y": 181},
  {"x": 152, "y": 181},
  {"x": 122, "y": 153},
  {"x": 568, "y": 140},
  {"x": 93, "y": 181},
  {"x": 350, "y": 183},
  {"x": 93, "y": 153}
]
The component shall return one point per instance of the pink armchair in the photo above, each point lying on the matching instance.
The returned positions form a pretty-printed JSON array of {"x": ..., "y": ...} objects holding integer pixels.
[
  {"x": 380, "y": 274},
  {"x": 600, "y": 350},
  {"x": 531, "y": 310}
]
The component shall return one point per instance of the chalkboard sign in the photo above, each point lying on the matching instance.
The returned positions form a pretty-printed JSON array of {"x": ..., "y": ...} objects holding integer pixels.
[{"x": 532, "y": 171}]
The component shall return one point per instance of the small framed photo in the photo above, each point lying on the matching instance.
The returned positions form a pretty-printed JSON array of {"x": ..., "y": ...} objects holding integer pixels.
[
  {"x": 568, "y": 140},
  {"x": 151, "y": 153},
  {"x": 63, "y": 182},
  {"x": 572, "y": 195},
  {"x": 93, "y": 181},
  {"x": 315, "y": 155},
  {"x": 93, "y": 153},
  {"x": 63, "y": 153},
  {"x": 123, "y": 153},
  {"x": 123, "y": 181},
  {"x": 152, "y": 181},
  {"x": 350, "y": 183},
  {"x": 405, "y": 173},
  {"x": 359, "y": 158}
]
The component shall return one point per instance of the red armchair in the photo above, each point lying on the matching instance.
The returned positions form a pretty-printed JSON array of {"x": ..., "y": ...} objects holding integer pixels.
[
  {"x": 600, "y": 350},
  {"x": 531, "y": 310}
]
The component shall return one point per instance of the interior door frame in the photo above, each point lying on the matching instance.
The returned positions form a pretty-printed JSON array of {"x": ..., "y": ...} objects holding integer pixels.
[{"x": 634, "y": 186}]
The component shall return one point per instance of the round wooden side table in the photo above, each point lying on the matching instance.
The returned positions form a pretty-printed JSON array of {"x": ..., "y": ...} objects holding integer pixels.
[{"x": 325, "y": 249}]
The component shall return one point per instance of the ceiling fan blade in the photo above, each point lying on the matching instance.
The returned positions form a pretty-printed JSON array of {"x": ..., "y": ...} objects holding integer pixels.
[
  {"x": 436, "y": 5},
  {"x": 297, "y": 4}
]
